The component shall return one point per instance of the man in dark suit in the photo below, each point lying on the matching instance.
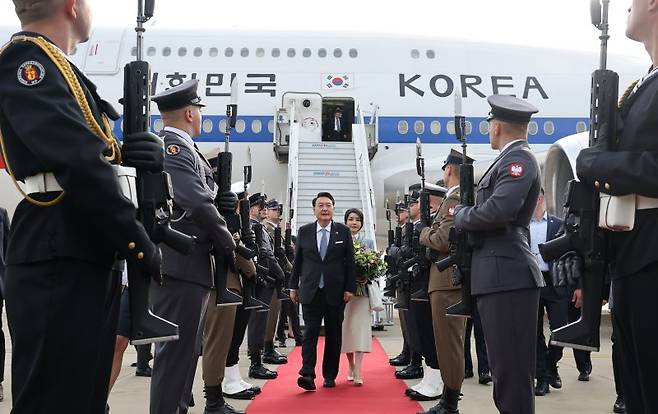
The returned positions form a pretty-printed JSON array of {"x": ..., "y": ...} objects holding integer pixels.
[
  {"x": 506, "y": 279},
  {"x": 335, "y": 128},
  {"x": 554, "y": 300},
  {"x": 323, "y": 280}
]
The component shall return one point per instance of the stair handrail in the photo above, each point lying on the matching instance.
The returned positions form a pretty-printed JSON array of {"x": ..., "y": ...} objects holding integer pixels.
[
  {"x": 293, "y": 166},
  {"x": 364, "y": 178}
]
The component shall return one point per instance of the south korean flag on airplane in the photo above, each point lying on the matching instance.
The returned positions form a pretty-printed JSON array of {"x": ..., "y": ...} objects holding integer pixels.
[{"x": 337, "y": 81}]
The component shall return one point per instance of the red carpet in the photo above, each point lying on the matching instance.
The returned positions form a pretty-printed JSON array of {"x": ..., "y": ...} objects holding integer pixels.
[{"x": 381, "y": 393}]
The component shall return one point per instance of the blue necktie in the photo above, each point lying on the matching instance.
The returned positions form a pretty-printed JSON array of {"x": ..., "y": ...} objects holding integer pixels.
[{"x": 324, "y": 242}]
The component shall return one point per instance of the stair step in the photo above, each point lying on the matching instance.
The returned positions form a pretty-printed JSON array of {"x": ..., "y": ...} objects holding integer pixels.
[
  {"x": 326, "y": 145},
  {"x": 305, "y": 158},
  {"x": 328, "y": 161},
  {"x": 315, "y": 167}
]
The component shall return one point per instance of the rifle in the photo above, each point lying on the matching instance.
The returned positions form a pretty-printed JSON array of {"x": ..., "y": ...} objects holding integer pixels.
[
  {"x": 282, "y": 259},
  {"x": 461, "y": 242},
  {"x": 582, "y": 232},
  {"x": 288, "y": 234},
  {"x": 421, "y": 270},
  {"x": 265, "y": 283},
  {"x": 222, "y": 177},
  {"x": 392, "y": 252},
  {"x": 154, "y": 194},
  {"x": 405, "y": 260}
]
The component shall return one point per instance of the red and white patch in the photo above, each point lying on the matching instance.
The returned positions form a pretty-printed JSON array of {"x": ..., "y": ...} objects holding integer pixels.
[
  {"x": 173, "y": 149},
  {"x": 451, "y": 211},
  {"x": 31, "y": 73},
  {"x": 516, "y": 170}
]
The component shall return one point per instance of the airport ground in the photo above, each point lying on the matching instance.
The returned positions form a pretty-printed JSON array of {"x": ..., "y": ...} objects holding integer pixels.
[{"x": 131, "y": 393}]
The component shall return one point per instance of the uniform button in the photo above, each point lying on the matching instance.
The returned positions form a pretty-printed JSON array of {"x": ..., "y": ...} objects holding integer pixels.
[
  {"x": 131, "y": 246},
  {"x": 607, "y": 186},
  {"x": 140, "y": 255},
  {"x": 597, "y": 184}
]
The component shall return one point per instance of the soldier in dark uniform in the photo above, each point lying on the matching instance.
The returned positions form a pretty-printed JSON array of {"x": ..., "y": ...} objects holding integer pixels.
[
  {"x": 187, "y": 279},
  {"x": 505, "y": 275},
  {"x": 448, "y": 331},
  {"x": 632, "y": 168},
  {"x": 61, "y": 296}
]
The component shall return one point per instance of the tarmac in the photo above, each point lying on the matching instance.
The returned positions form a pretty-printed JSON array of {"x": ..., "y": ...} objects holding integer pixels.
[{"x": 131, "y": 393}]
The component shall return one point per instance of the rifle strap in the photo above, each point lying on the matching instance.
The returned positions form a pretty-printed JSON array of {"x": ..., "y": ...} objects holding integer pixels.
[
  {"x": 104, "y": 133},
  {"x": 627, "y": 93}
]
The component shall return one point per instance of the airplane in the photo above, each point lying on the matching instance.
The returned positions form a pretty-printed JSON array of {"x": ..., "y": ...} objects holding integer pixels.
[{"x": 405, "y": 84}]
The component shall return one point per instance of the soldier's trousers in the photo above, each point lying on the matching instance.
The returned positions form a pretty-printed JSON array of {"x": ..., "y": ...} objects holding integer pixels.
[
  {"x": 62, "y": 318},
  {"x": 635, "y": 321},
  {"x": 421, "y": 331},
  {"x": 272, "y": 318},
  {"x": 448, "y": 337},
  {"x": 556, "y": 302},
  {"x": 289, "y": 311},
  {"x": 242, "y": 317},
  {"x": 217, "y": 334},
  {"x": 509, "y": 323},
  {"x": 474, "y": 326},
  {"x": 175, "y": 362}
]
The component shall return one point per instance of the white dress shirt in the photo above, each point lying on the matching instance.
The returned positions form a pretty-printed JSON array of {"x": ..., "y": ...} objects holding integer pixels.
[
  {"x": 538, "y": 232},
  {"x": 451, "y": 190},
  {"x": 186, "y": 137},
  {"x": 510, "y": 143}
]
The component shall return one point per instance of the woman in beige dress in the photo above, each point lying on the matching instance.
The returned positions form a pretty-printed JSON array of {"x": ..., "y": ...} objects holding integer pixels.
[{"x": 357, "y": 325}]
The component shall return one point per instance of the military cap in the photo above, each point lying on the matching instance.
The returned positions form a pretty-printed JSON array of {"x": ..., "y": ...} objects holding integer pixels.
[
  {"x": 238, "y": 188},
  {"x": 402, "y": 207},
  {"x": 455, "y": 158},
  {"x": 436, "y": 190},
  {"x": 510, "y": 109},
  {"x": 272, "y": 204},
  {"x": 179, "y": 97},
  {"x": 255, "y": 199},
  {"x": 414, "y": 197}
]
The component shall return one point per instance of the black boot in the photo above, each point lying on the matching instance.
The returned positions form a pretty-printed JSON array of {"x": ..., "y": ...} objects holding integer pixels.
[
  {"x": 271, "y": 356},
  {"x": 214, "y": 400},
  {"x": 257, "y": 369}
]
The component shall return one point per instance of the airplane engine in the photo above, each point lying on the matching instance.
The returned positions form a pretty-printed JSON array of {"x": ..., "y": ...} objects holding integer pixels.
[{"x": 560, "y": 168}]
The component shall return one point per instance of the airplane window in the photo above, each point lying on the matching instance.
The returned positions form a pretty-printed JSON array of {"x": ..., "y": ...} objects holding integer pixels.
[
  {"x": 533, "y": 128},
  {"x": 198, "y": 51},
  {"x": 158, "y": 124},
  {"x": 270, "y": 126},
  {"x": 484, "y": 127},
  {"x": 435, "y": 127},
  {"x": 276, "y": 52},
  {"x": 549, "y": 127},
  {"x": 469, "y": 127},
  {"x": 228, "y": 52},
  {"x": 222, "y": 125},
  {"x": 256, "y": 126},
  {"x": 415, "y": 53},
  {"x": 431, "y": 54},
  {"x": 213, "y": 52},
  {"x": 403, "y": 127},
  {"x": 166, "y": 51},
  {"x": 419, "y": 127},
  {"x": 244, "y": 52},
  {"x": 150, "y": 51},
  {"x": 322, "y": 52},
  {"x": 240, "y": 126},
  {"x": 207, "y": 126},
  {"x": 581, "y": 127},
  {"x": 338, "y": 53},
  {"x": 291, "y": 53},
  {"x": 133, "y": 51},
  {"x": 306, "y": 52},
  {"x": 260, "y": 52},
  {"x": 182, "y": 51},
  {"x": 354, "y": 53},
  {"x": 450, "y": 127}
]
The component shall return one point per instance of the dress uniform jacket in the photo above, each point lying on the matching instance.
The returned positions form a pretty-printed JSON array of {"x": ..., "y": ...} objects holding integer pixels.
[{"x": 269, "y": 227}]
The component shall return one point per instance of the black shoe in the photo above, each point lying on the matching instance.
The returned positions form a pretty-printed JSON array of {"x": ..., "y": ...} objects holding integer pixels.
[
  {"x": 270, "y": 356},
  {"x": 449, "y": 403},
  {"x": 485, "y": 378},
  {"x": 144, "y": 372},
  {"x": 410, "y": 372},
  {"x": 468, "y": 373},
  {"x": 227, "y": 409},
  {"x": 306, "y": 383},
  {"x": 298, "y": 342},
  {"x": 256, "y": 389},
  {"x": 620, "y": 406},
  {"x": 401, "y": 360},
  {"x": 555, "y": 380},
  {"x": 329, "y": 383},
  {"x": 242, "y": 395},
  {"x": 281, "y": 343},
  {"x": 260, "y": 372},
  {"x": 583, "y": 376},
  {"x": 416, "y": 396},
  {"x": 542, "y": 388}
]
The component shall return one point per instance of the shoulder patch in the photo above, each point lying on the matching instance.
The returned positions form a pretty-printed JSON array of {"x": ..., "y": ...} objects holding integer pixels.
[
  {"x": 516, "y": 170},
  {"x": 31, "y": 73},
  {"x": 451, "y": 211},
  {"x": 173, "y": 149}
]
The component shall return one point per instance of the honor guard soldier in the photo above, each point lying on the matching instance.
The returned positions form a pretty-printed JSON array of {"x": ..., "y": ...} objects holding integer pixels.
[
  {"x": 61, "y": 295},
  {"x": 448, "y": 331},
  {"x": 631, "y": 170},
  {"x": 506, "y": 278},
  {"x": 187, "y": 279}
]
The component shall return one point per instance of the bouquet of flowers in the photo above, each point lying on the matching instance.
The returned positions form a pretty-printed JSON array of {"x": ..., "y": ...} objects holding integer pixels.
[{"x": 369, "y": 266}]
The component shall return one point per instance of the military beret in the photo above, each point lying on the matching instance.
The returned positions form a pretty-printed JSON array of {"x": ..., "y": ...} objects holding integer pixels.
[
  {"x": 179, "y": 96},
  {"x": 510, "y": 109},
  {"x": 455, "y": 158}
]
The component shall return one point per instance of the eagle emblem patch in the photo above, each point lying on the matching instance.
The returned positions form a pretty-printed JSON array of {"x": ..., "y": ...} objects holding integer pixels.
[
  {"x": 173, "y": 149},
  {"x": 31, "y": 73},
  {"x": 516, "y": 170}
]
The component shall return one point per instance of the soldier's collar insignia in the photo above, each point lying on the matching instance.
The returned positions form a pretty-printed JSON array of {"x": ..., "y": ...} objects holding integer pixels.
[
  {"x": 516, "y": 170},
  {"x": 173, "y": 149},
  {"x": 31, "y": 73}
]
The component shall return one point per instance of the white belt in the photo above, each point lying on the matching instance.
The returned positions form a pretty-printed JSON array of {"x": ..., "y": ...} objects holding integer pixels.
[
  {"x": 645, "y": 203},
  {"x": 46, "y": 182}
]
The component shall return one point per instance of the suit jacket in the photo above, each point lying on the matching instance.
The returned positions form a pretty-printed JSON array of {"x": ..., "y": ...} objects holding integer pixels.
[
  {"x": 631, "y": 169},
  {"x": 436, "y": 238},
  {"x": 329, "y": 129},
  {"x": 4, "y": 235},
  {"x": 194, "y": 211},
  {"x": 338, "y": 266},
  {"x": 553, "y": 226},
  {"x": 506, "y": 199}
]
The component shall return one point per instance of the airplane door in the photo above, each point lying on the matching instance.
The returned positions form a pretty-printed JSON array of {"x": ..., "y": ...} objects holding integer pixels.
[{"x": 104, "y": 51}]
